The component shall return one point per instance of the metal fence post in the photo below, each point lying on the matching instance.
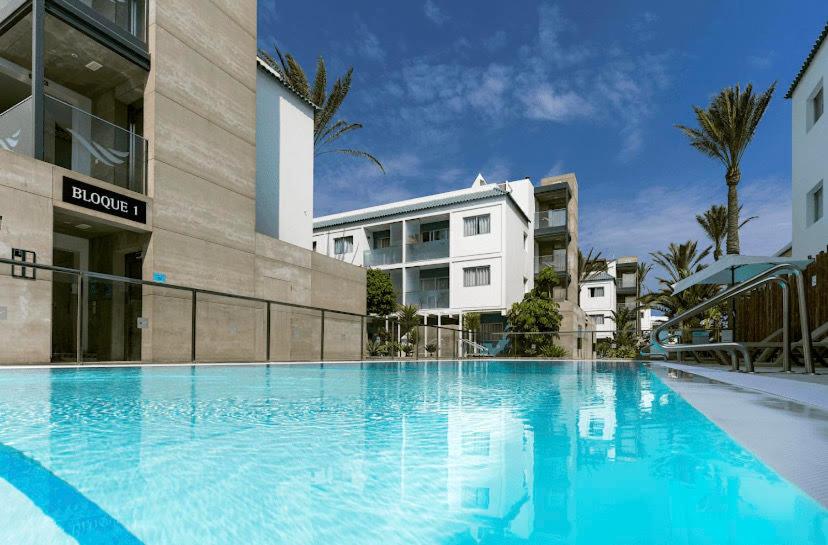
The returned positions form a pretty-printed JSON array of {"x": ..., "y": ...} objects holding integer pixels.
[
  {"x": 79, "y": 332},
  {"x": 322, "y": 340},
  {"x": 267, "y": 336},
  {"x": 362, "y": 337},
  {"x": 193, "y": 332}
]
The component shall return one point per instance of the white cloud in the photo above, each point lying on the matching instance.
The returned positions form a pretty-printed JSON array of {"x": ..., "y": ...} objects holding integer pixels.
[
  {"x": 434, "y": 13},
  {"x": 558, "y": 168},
  {"x": 552, "y": 26},
  {"x": 761, "y": 61},
  {"x": 545, "y": 103},
  {"x": 368, "y": 45},
  {"x": 653, "y": 218}
]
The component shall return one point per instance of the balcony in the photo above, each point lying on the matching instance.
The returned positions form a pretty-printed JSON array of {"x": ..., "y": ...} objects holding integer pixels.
[
  {"x": 422, "y": 251},
  {"x": 129, "y": 16},
  {"x": 389, "y": 255},
  {"x": 79, "y": 141},
  {"x": 558, "y": 262},
  {"x": 428, "y": 299},
  {"x": 626, "y": 284},
  {"x": 547, "y": 219}
]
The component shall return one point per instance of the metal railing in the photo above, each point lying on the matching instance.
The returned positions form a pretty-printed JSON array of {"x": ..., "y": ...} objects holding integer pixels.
[
  {"x": 476, "y": 349},
  {"x": 428, "y": 299},
  {"x": 83, "y": 285},
  {"x": 557, "y": 261},
  {"x": 774, "y": 274}
]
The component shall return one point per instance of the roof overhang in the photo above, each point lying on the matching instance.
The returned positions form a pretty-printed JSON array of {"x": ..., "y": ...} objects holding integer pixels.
[{"x": 733, "y": 269}]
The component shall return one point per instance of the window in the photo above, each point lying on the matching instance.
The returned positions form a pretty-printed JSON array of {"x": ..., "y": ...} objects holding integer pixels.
[
  {"x": 382, "y": 239},
  {"x": 476, "y": 225},
  {"x": 314, "y": 245},
  {"x": 434, "y": 283},
  {"x": 817, "y": 105},
  {"x": 434, "y": 231},
  {"x": 597, "y": 318},
  {"x": 816, "y": 204},
  {"x": 596, "y": 292},
  {"x": 476, "y": 276},
  {"x": 343, "y": 245}
]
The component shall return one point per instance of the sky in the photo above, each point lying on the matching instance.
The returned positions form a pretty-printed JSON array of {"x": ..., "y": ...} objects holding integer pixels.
[{"x": 514, "y": 89}]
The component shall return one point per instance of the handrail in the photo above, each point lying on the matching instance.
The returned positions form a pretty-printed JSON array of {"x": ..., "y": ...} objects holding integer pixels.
[
  {"x": 774, "y": 274},
  {"x": 478, "y": 348}
]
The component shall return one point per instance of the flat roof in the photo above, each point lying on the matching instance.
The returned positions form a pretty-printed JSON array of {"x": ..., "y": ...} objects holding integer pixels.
[
  {"x": 808, "y": 59},
  {"x": 413, "y": 205}
]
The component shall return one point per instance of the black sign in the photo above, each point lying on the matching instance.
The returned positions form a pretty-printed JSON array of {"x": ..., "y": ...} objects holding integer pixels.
[{"x": 103, "y": 200}]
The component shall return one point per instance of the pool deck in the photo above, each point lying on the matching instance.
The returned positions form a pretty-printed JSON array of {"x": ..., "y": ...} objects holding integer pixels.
[{"x": 782, "y": 418}]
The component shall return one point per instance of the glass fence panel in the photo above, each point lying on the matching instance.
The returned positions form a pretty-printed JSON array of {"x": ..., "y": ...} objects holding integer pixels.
[
  {"x": 343, "y": 336},
  {"x": 556, "y": 261},
  {"x": 16, "y": 132},
  {"x": 428, "y": 299},
  {"x": 111, "y": 312},
  {"x": 230, "y": 329},
  {"x": 550, "y": 218},
  {"x": 65, "y": 306},
  {"x": 82, "y": 142},
  {"x": 422, "y": 251},
  {"x": 383, "y": 256},
  {"x": 167, "y": 334},
  {"x": 295, "y": 333}
]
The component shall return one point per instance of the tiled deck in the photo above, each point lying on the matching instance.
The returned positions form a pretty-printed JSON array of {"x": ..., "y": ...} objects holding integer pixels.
[{"x": 781, "y": 418}]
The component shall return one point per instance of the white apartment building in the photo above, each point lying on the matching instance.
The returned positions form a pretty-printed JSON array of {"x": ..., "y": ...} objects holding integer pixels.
[
  {"x": 605, "y": 292},
  {"x": 451, "y": 253},
  {"x": 809, "y": 161}
]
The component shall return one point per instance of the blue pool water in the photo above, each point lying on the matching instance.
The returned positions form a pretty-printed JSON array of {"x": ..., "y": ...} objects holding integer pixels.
[{"x": 479, "y": 452}]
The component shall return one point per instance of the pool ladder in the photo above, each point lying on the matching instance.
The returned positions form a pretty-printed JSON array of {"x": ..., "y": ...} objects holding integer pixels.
[{"x": 775, "y": 274}]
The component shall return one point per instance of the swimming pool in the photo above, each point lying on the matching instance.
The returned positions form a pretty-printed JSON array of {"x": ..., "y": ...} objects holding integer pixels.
[{"x": 393, "y": 453}]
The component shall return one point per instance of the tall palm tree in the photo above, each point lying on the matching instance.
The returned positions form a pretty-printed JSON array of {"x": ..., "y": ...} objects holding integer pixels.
[
  {"x": 588, "y": 265},
  {"x": 326, "y": 130},
  {"x": 714, "y": 224},
  {"x": 679, "y": 262},
  {"x": 725, "y": 129}
]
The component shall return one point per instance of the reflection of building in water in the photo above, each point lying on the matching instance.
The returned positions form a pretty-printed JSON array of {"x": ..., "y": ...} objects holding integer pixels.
[
  {"x": 596, "y": 419},
  {"x": 491, "y": 467}
]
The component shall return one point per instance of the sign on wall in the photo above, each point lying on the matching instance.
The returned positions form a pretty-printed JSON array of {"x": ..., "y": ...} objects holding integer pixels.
[{"x": 103, "y": 200}]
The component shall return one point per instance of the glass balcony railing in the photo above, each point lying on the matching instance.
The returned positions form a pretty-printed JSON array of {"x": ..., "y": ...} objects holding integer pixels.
[
  {"x": 128, "y": 15},
  {"x": 627, "y": 282},
  {"x": 87, "y": 144},
  {"x": 428, "y": 298},
  {"x": 383, "y": 256},
  {"x": 558, "y": 262},
  {"x": 16, "y": 128},
  {"x": 422, "y": 251},
  {"x": 550, "y": 218}
]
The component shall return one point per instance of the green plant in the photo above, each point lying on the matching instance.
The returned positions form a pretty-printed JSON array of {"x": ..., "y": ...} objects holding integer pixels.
[
  {"x": 409, "y": 318},
  {"x": 536, "y": 313},
  {"x": 326, "y": 131},
  {"x": 623, "y": 352},
  {"x": 391, "y": 348},
  {"x": 374, "y": 347},
  {"x": 714, "y": 224},
  {"x": 554, "y": 351},
  {"x": 382, "y": 299},
  {"x": 588, "y": 265},
  {"x": 408, "y": 349},
  {"x": 679, "y": 262},
  {"x": 725, "y": 129},
  {"x": 471, "y": 321},
  {"x": 431, "y": 347}
]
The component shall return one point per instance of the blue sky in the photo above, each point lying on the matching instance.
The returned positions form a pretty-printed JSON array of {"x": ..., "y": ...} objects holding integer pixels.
[{"x": 515, "y": 89}]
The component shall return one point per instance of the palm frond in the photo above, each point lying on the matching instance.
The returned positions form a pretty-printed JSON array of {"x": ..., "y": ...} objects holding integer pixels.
[{"x": 356, "y": 153}]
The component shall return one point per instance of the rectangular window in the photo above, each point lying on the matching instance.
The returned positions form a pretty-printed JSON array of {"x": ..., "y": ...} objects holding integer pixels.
[
  {"x": 818, "y": 105},
  {"x": 476, "y": 225},
  {"x": 816, "y": 204},
  {"x": 343, "y": 245},
  {"x": 476, "y": 276},
  {"x": 597, "y": 318},
  {"x": 382, "y": 239},
  {"x": 596, "y": 292}
]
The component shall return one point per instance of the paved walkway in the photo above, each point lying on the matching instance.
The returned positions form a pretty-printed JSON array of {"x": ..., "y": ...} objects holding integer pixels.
[{"x": 780, "y": 418}]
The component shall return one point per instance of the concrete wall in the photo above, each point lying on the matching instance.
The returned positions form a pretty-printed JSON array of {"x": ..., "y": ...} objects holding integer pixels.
[{"x": 809, "y": 161}]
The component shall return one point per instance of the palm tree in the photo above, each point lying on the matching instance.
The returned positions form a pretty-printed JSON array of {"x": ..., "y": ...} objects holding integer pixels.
[
  {"x": 588, "y": 265},
  {"x": 625, "y": 319},
  {"x": 641, "y": 273},
  {"x": 714, "y": 224},
  {"x": 679, "y": 262},
  {"x": 726, "y": 127},
  {"x": 326, "y": 130}
]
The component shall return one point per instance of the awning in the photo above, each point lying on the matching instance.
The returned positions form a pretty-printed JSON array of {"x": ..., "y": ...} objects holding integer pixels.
[{"x": 733, "y": 269}]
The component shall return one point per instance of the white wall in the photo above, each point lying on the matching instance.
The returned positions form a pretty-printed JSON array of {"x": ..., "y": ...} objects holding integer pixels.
[
  {"x": 600, "y": 305},
  {"x": 284, "y": 163},
  {"x": 477, "y": 297},
  {"x": 809, "y": 158}
]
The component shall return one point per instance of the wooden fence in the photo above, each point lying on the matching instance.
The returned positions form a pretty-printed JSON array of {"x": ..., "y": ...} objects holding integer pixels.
[{"x": 759, "y": 313}]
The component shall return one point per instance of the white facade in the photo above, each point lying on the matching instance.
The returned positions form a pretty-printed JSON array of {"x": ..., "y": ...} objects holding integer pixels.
[
  {"x": 603, "y": 293},
  {"x": 284, "y": 160},
  {"x": 450, "y": 253},
  {"x": 809, "y": 138}
]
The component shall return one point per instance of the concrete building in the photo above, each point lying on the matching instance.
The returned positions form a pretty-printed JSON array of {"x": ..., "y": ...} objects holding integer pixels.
[
  {"x": 809, "y": 162},
  {"x": 603, "y": 293},
  {"x": 471, "y": 250},
  {"x": 129, "y": 147}
]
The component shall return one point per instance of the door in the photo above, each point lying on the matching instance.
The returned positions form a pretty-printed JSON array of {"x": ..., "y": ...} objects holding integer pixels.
[{"x": 132, "y": 307}]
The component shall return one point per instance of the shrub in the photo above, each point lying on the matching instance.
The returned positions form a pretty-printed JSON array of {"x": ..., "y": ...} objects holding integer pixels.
[
  {"x": 408, "y": 349},
  {"x": 382, "y": 299},
  {"x": 431, "y": 347},
  {"x": 375, "y": 347},
  {"x": 554, "y": 351}
]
